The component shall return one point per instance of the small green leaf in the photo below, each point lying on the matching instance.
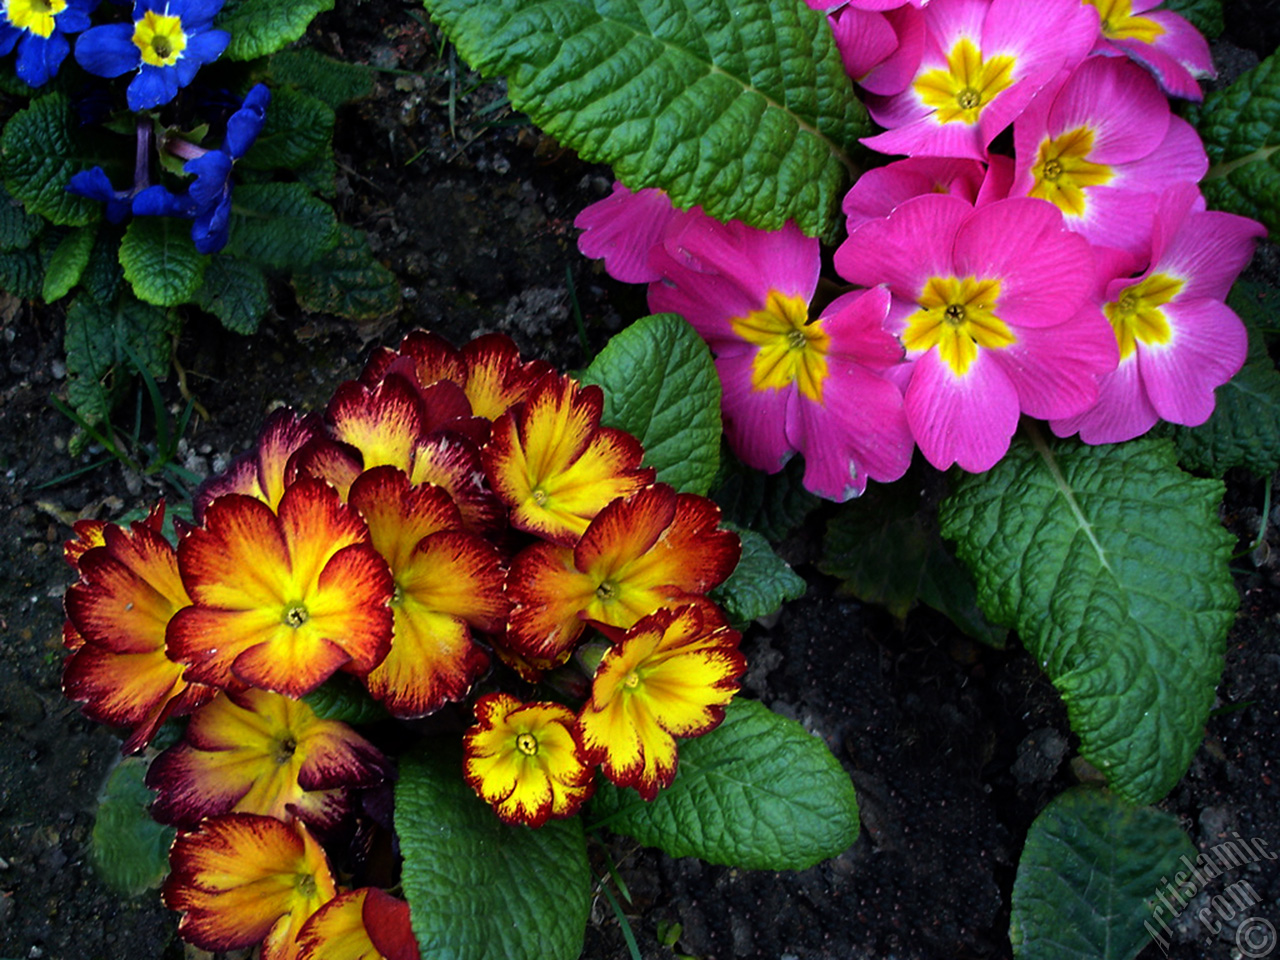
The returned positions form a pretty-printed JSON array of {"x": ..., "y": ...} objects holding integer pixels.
[
  {"x": 235, "y": 292},
  {"x": 1204, "y": 15},
  {"x": 280, "y": 225},
  {"x": 775, "y": 504},
  {"x": 95, "y": 343},
  {"x": 17, "y": 227},
  {"x": 130, "y": 850},
  {"x": 41, "y": 148},
  {"x": 21, "y": 273},
  {"x": 334, "y": 81},
  {"x": 260, "y": 27},
  {"x": 760, "y": 584},
  {"x": 67, "y": 265},
  {"x": 477, "y": 888},
  {"x": 660, "y": 385},
  {"x": 1111, "y": 564},
  {"x": 1088, "y": 875},
  {"x": 103, "y": 276},
  {"x": 297, "y": 128},
  {"x": 344, "y": 698},
  {"x": 757, "y": 792},
  {"x": 161, "y": 261},
  {"x": 348, "y": 282},
  {"x": 1240, "y": 127},
  {"x": 741, "y": 107}
]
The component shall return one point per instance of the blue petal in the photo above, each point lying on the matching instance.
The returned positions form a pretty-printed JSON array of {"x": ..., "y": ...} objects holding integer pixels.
[
  {"x": 213, "y": 171},
  {"x": 210, "y": 233},
  {"x": 108, "y": 50},
  {"x": 195, "y": 14},
  {"x": 158, "y": 201},
  {"x": 39, "y": 57},
  {"x": 9, "y": 35},
  {"x": 246, "y": 123},
  {"x": 93, "y": 183},
  {"x": 201, "y": 48},
  {"x": 75, "y": 16},
  {"x": 152, "y": 87}
]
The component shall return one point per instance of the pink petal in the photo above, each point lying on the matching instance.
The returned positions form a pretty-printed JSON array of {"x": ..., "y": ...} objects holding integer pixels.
[
  {"x": 1119, "y": 102},
  {"x": 1121, "y": 412},
  {"x": 880, "y": 189},
  {"x": 895, "y": 73},
  {"x": 864, "y": 39},
  {"x": 1210, "y": 249},
  {"x": 1179, "y": 158},
  {"x": 1207, "y": 349},
  {"x": 754, "y": 420},
  {"x": 906, "y": 248},
  {"x": 1056, "y": 369},
  {"x": 965, "y": 420},
  {"x": 855, "y": 324},
  {"x": 622, "y": 228}
]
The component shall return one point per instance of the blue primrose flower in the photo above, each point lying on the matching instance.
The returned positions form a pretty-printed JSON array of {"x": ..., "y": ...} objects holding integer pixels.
[
  {"x": 168, "y": 42},
  {"x": 39, "y": 29},
  {"x": 208, "y": 199},
  {"x": 95, "y": 185}
]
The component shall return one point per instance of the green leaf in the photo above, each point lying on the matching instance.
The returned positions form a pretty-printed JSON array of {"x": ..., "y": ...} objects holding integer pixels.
[
  {"x": 334, "y": 81},
  {"x": 67, "y": 265},
  {"x": 17, "y": 227},
  {"x": 260, "y": 27},
  {"x": 40, "y": 149},
  {"x": 344, "y": 698},
  {"x": 347, "y": 281},
  {"x": 1240, "y": 127},
  {"x": 161, "y": 261},
  {"x": 1111, "y": 564},
  {"x": 741, "y": 107},
  {"x": 1244, "y": 430},
  {"x": 280, "y": 225},
  {"x": 760, "y": 584},
  {"x": 296, "y": 129},
  {"x": 99, "y": 337},
  {"x": 660, "y": 385},
  {"x": 479, "y": 888},
  {"x": 130, "y": 850},
  {"x": 1204, "y": 15},
  {"x": 21, "y": 273},
  {"x": 235, "y": 292},
  {"x": 774, "y": 504},
  {"x": 103, "y": 276},
  {"x": 1089, "y": 872},
  {"x": 758, "y": 792}
]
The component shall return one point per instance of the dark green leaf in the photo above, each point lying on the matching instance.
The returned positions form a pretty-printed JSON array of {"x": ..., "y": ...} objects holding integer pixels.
[
  {"x": 130, "y": 850},
  {"x": 280, "y": 225},
  {"x": 334, "y": 81},
  {"x": 17, "y": 227},
  {"x": 344, "y": 698},
  {"x": 235, "y": 292},
  {"x": 774, "y": 504},
  {"x": 161, "y": 262},
  {"x": 760, "y": 584},
  {"x": 67, "y": 264},
  {"x": 260, "y": 27},
  {"x": 21, "y": 273},
  {"x": 348, "y": 282},
  {"x": 95, "y": 341},
  {"x": 296, "y": 129}
]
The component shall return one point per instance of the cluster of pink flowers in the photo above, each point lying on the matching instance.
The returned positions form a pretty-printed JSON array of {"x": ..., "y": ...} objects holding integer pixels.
[{"x": 1080, "y": 281}]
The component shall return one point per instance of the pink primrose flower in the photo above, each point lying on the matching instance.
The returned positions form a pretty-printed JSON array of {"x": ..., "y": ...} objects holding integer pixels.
[
  {"x": 791, "y": 384},
  {"x": 880, "y": 189},
  {"x": 622, "y": 228},
  {"x": 880, "y": 50},
  {"x": 1101, "y": 146},
  {"x": 992, "y": 304},
  {"x": 1162, "y": 41},
  {"x": 983, "y": 62},
  {"x": 1177, "y": 339}
]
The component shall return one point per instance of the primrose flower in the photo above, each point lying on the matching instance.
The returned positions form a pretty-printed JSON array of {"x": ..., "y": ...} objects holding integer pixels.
[
  {"x": 671, "y": 675},
  {"x": 167, "y": 43},
  {"x": 622, "y": 228},
  {"x": 282, "y": 599},
  {"x": 791, "y": 384},
  {"x": 1161, "y": 40},
  {"x": 364, "y": 924},
  {"x": 640, "y": 553},
  {"x": 993, "y": 306},
  {"x": 1102, "y": 147},
  {"x": 260, "y": 752},
  {"x": 552, "y": 463},
  {"x": 39, "y": 29},
  {"x": 446, "y": 582},
  {"x": 881, "y": 50},
  {"x": 522, "y": 759},
  {"x": 241, "y": 880},
  {"x": 117, "y": 613},
  {"x": 983, "y": 62},
  {"x": 1178, "y": 340},
  {"x": 263, "y": 470}
]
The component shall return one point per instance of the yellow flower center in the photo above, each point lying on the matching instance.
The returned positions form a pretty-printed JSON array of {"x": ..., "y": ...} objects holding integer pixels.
[
  {"x": 1062, "y": 171},
  {"x": 1137, "y": 318},
  {"x": 792, "y": 350},
  {"x": 284, "y": 750},
  {"x": 527, "y": 744},
  {"x": 34, "y": 16},
  {"x": 957, "y": 316},
  {"x": 160, "y": 38},
  {"x": 607, "y": 591},
  {"x": 295, "y": 615},
  {"x": 631, "y": 680},
  {"x": 1119, "y": 23},
  {"x": 968, "y": 83}
]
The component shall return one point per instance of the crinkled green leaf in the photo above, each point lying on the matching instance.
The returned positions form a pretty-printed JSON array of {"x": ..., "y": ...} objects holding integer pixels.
[
  {"x": 344, "y": 698},
  {"x": 280, "y": 225},
  {"x": 130, "y": 850},
  {"x": 1240, "y": 127},
  {"x": 334, "y": 81},
  {"x": 41, "y": 148},
  {"x": 1089, "y": 872},
  {"x": 477, "y": 888},
  {"x": 21, "y": 273},
  {"x": 760, "y": 584},
  {"x": 103, "y": 276},
  {"x": 774, "y": 504},
  {"x": 1205, "y": 15},
  {"x": 348, "y": 282},
  {"x": 742, "y": 107},
  {"x": 1111, "y": 564},
  {"x": 1244, "y": 430},
  {"x": 660, "y": 385},
  {"x": 758, "y": 792},
  {"x": 236, "y": 293},
  {"x": 67, "y": 264},
  {"x": 260, "y": 27},
  {"x": 17, "y": 227},
  {"x": 297, "y": 128},
  {"x": 161, "y": 261},
  {"x": 99, "y": 337},
  {"x": 319, "y": 173}
]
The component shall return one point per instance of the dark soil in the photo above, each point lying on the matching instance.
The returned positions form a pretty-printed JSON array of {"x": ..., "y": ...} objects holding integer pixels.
[{"x": 954, "y": 747}]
